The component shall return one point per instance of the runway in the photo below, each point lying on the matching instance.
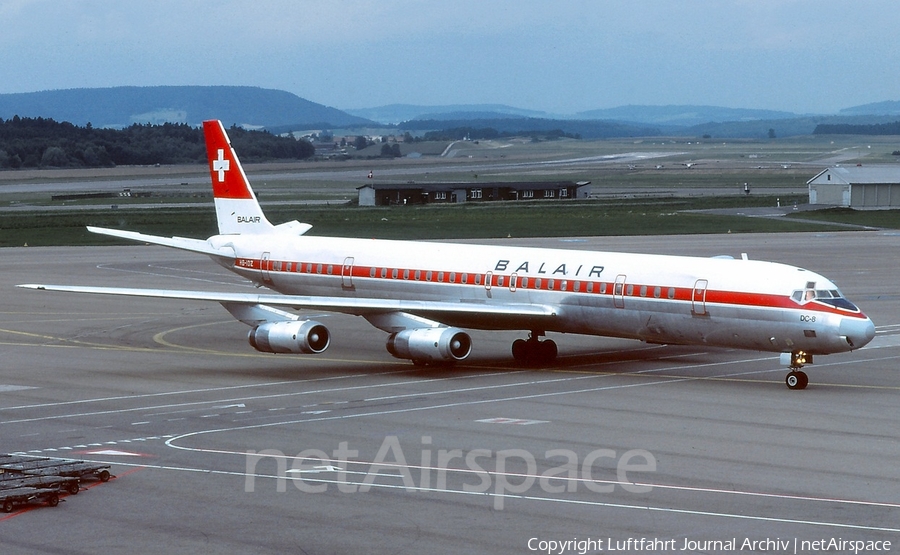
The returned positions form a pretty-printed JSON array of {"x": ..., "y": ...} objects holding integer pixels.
[{"x": 220, "y": 449}]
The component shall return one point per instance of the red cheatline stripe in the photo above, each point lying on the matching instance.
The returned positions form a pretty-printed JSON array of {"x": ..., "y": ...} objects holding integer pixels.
[{"x": 532, "y": 283}]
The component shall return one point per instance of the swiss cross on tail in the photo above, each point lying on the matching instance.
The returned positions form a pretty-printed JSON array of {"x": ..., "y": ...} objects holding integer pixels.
[
  {"x": 221, "y": 165},
  {"x": 236, "y": 207}
]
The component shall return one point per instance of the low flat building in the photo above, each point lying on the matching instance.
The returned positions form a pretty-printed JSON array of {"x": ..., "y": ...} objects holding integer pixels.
[
  {"x": 874, "y": 186},
  {"x": 399, "y": 194}
]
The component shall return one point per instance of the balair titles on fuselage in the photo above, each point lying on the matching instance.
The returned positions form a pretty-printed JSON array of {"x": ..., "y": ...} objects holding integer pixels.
[{"x": 544, "y": 268}]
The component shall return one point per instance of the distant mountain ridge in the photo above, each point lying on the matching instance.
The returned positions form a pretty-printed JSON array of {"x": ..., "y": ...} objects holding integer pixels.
[
  {"x": 397, "y": 113},
  {"x": 886, "y": 108},
  {"x": 628, "y": 121},
  {"x": 683, "y": 115},
  {"x": 123, "y": 106},
  {"x": 281, "y": 111},
  {"x": 676, "y": 115}
]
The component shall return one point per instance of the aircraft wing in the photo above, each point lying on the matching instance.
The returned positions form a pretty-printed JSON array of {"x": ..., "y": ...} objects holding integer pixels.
[
  {"x": 470, "y": 311},
  {"x": 182, "y": 243}
]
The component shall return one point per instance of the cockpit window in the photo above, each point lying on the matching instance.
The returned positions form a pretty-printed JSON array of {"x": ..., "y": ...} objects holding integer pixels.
[
  {"x": 841, "y": 303},
  {"x": 831, "y": 297}
]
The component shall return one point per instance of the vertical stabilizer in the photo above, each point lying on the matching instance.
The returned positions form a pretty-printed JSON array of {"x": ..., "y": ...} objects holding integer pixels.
[{"x": 237, "y": 209}]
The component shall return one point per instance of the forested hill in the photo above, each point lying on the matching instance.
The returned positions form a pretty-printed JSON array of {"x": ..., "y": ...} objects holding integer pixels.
[
  {"x": 40, "y": 142},
  {"x": 123, "y": 106},
  {"x": 892, "y": 128}
]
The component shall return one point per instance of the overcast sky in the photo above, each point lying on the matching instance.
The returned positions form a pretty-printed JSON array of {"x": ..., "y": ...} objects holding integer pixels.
[{"x": 806, "y": 56}]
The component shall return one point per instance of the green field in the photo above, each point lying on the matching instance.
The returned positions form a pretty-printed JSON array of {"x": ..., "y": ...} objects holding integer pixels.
[{"x": 539, "y": 219}]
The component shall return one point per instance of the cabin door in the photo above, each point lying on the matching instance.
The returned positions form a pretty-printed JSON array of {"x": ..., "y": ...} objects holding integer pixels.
[
  {"x": 265, "y": 266},
  {"x": 698, "y": 298},
  {"x": 347, "y": 273},
  {"x": 619, "y": 291}
]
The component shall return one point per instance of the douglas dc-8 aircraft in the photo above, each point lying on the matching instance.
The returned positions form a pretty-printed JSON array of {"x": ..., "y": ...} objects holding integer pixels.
[{"x": 422, "y": 294}]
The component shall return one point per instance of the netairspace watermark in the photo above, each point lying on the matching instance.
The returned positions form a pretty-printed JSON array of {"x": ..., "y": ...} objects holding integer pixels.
[
  {"x": 484, "y": 471},
  {"x": 747, "y": 545}
]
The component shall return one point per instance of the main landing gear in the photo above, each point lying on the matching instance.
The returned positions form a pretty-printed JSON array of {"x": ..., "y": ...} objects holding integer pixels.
[
  {"x": 796, "y": 378},
  {"x": 534, "y": 352}
]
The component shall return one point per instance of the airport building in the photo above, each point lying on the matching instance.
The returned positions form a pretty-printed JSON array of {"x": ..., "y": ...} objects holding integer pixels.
[
  {"x": 399, "y": 194},
  {"x": 875, "y": 186}
]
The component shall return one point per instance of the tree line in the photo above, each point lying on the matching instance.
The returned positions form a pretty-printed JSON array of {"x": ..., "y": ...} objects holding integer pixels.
[
  {"x": 892, "y": 128},
  {"x": 45, "y": 143}
]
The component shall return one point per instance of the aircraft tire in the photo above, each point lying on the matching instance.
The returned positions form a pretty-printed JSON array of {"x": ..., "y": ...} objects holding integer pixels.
[
  {"x": 520, "y": 350},
  {"x": 796, "y": 380},
  {"x": 548, "y": 351}
]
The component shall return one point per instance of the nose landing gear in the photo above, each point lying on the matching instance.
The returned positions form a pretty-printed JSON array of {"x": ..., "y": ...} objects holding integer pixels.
[{"x": 796, "y": 378}]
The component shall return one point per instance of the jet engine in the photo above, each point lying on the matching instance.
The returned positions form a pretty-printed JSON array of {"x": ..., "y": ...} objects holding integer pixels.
[
  {"x": 430, "y": 344},
  {"x": 293, "y": 336}
]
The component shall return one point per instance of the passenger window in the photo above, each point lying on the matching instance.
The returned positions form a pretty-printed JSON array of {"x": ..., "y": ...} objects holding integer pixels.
[{"x": 671, "y": 293}]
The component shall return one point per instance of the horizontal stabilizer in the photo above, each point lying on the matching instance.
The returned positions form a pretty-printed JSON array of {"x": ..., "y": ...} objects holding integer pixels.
[
  {"x": 182, "y": 243},
  {"x": 292, "y": 227}
]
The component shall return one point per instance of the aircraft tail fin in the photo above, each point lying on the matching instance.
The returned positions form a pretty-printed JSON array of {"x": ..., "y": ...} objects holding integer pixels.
[{"x": 237, "y": 209}]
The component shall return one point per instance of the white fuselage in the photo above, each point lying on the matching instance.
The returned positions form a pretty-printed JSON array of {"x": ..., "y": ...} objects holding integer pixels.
[{"x": 656, "y": 298}]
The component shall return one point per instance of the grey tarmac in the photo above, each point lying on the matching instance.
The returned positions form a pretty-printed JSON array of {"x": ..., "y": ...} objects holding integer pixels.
[{"x": 617, "y": 440}]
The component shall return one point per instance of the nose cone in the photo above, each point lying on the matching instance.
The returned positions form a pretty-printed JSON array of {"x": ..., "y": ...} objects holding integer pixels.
[{"x": 858, "y": 331}]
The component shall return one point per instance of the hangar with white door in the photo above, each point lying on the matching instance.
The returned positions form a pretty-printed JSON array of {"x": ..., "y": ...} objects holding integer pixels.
[{"x": 875, "y": 186}]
